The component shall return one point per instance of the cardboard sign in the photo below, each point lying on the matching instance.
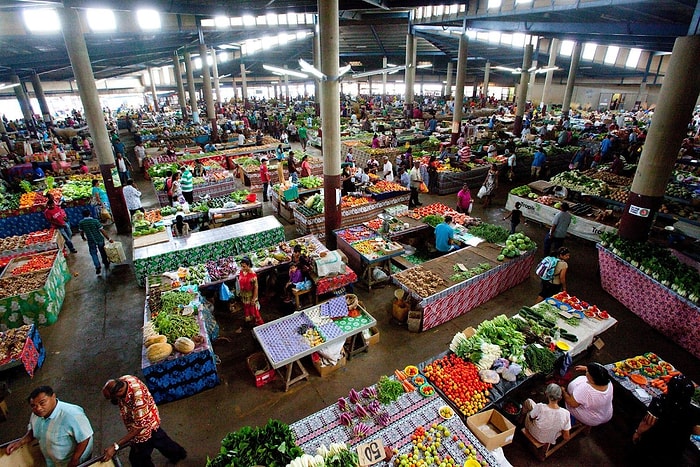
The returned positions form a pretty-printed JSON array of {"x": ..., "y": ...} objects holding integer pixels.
[{"x": 371, "y": 453}]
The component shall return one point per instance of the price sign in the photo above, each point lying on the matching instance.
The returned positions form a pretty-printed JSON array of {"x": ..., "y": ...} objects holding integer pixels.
[
  {"x": 371, "y": 453},
  {"x": 638, "y": 211}
]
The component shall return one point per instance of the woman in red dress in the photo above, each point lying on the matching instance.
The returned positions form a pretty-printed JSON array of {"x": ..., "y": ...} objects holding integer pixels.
[{"x": 248, "y": 286}]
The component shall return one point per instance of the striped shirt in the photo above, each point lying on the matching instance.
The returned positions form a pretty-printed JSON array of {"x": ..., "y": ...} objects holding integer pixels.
[
  {"x": 186, "y": 182},
  {"x": 91, "y": 227},
  {"x": 60, "y": 432}
]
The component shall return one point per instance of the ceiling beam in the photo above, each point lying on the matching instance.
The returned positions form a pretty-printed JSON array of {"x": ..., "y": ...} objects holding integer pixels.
[
  {"x": 601, "y": 28},
  {"x": 376, "y": 38}
]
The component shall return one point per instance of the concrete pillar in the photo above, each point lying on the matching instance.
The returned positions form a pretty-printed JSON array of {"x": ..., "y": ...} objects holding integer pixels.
[
  {"x": 215, "y": 74},
  {"x": 244, "y": 85},
  {"x": 569, "y": 91},
  {"x": 553, "y": 52},
  {"x": 318, "y": 89},
  {"x": 154, "y": 92},
  {"x": 177, "y": 71},
  {"x": 522, "y": 90},
  {"x": 487, "y": 72},
  {"x": 82, "y": 70},
  {"x": 410, "y": 74},
  {"x": 384, "y": 62},
  {"x": 27, "y": 112},
  {"x": 43, "y": 104},
  {"x": 329, "y": 29},
  {"x": 192, "y": 91},
  {"x": 459, "y": 86},
  {"x": 286, "y": 88},
  {"x": 235, "y": 88},
  {"x": 674, "y": 110},
  {"x": 448, "y": 80},
  {"x": 206, "y": 87},
  {"x": 358, "y": 88}
]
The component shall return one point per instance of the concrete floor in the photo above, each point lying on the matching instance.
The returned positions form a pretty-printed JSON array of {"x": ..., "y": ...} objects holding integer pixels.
[{"x": 98, "y": 336}]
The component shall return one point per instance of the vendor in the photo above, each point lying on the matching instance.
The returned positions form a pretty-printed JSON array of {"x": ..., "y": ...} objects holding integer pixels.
[
  {"x": 444, "y": 236},
  {"x": 348, "y": 183},
  {"x": 372, "y": 165},
  {"x": 545, "y": 422},
  {"x": 199, "y": 170},
  {"x": 301, "y": 260},
  {"x": 589, "y": 397}
]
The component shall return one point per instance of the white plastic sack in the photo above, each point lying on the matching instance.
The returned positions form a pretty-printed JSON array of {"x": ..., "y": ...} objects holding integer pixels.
[
  {"x": 379, "y": 275},
  {"x": 481, "y": 193},
  {"x": 115, "y": 252}
]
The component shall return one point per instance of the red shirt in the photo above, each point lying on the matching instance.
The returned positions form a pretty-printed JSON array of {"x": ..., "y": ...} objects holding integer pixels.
[
  {"x": 264, "y": 173},
  {"x": 138, "y": 409},
  {"x": 56, "y": 216}
]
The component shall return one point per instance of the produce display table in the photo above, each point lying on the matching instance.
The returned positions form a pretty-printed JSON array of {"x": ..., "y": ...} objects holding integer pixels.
[
  {"x": 451, "y": 182},
  {"x": 180, "y": 376},
  {"x": 464, "y": 296},
  {"x": 580, "y": 226},
  {"x": 22, "y": 346},
  {"x": 407, "y": 413},
  {"x": 33, "y": 221},
  {"x": 284, "y": 346},
  {"x": 35, "y": 242},
  {"x": 349, "y": 216},
  {"x": 205, "y": 246},
  {"x": 365, "y": 261},
  {"x": 251, "y": 178},
  {"x": 674, "y": 316},
  {"x": 220, "y": 215},
  {"x": 40, "y": 306},
  {"x": 361, "y": 153},
  {"x": 212, "y": 189}
]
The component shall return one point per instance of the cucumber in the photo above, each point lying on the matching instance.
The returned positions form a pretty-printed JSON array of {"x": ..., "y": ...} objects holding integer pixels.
[{"x": 533, "y": 312}]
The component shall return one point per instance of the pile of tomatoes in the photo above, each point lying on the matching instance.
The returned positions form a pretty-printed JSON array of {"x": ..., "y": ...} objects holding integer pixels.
[{"x": 459, "y": 381}]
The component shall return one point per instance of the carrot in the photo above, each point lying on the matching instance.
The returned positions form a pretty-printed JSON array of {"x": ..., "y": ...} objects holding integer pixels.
[
  {"x": 408, "y": 387},
  {"x": 399, "y": 375}
]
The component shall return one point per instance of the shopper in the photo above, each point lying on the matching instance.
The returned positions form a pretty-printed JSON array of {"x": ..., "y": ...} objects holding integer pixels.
[
  {"x": 265, "y": 178},
  {"x": 99, "y": 201},
  {"x": 142, "y": 421},
  {"x": 83, "y": 168},
  {"x": 176, "y": 188},
  {"x": 91, "y": 230},
  {"x": 140, "y": 154},
  {"x": 199, "y": 169},
  {"x": 63, "y": 430},
  {"x": 58, "y": 219},
  {"x": 123, "y": 166},
  {"x": 444, "y": 236},
  {"x": 538, "y": 162},
  {"x": 305, "y": 166},
  {"x": 669, "y": 421},
  {"x": 132, "y": 196},
  {"x": 387, "y": 170},
  {"x": 464, "y": 200},
  {"x": 578, "y": 161},
  {"x": 433, "y": 166},
  {"x": 557, "y": 232},
  {"x": 515, "y": 215},
  {"x": 301, "y": 260},
  {"x": 512, "y": 162},
  {"x": 187, "y": 184},
  {"x": 180, "y": 228},
  {"x": 303, "y": 137},
  {"x": 292, "y": 167},
  {"x": 490, "y": 183},
  {"x": 558, "y": 281},
  {"x": 248, "y": 285},
  {"x": 589, "y": 397},
  {"x": 545, "y": 422},
  {"x": 404, "y": 178},
  {"x": 416, "y": 181}
]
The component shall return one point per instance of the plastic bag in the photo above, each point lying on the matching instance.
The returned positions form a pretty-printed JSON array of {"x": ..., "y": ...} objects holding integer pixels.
[
  {"x": 471, "y": 206},
  {"x": 489, "y": 376},
  {"x": 115, "y": 252},
  {"x": 224, "y": 293},
  {"x": 379, "y": 275},
  {"x": 423, "y": 188},
  {"x": 481, "y": 193}
]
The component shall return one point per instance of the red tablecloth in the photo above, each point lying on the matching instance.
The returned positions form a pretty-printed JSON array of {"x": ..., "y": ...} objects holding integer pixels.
[
  {"x": 326, "y": 285},
  {"x": 660, "y": 307}
]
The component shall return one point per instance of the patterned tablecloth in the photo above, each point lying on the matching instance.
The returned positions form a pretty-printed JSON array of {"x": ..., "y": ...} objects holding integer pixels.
[
  {"x": 205, "y": 246},
  {"x": 406, "y": 414},
  {"x": 660, "y": 307},
  {"x": 181, "y": 376},
  {"x": 467, "y": 295},
  {"x": 40, "y": 306},
  {"x": 213, "y": 189},
  {"x": 31, "y": 222},
  {"x": 32, "y": 355}
]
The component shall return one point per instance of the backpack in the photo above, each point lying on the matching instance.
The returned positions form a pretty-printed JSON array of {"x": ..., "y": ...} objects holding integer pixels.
[{"x": 545, "y": 270}]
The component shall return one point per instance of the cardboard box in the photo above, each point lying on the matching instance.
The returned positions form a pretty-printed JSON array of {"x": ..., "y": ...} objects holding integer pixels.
[
  {"x": 492, "y": 429},
  {"x": 260, "y": 369},
  {"x": 371, "y": 335},
  {"x": 324, "y": 371}
]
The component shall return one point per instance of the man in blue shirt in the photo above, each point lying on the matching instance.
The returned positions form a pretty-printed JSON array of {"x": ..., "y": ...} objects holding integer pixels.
[
  {"x": 63, "y": 430},
  {"x": 537, "y": 162},
  {"x": 444, "y": 236},
  {"x": 606, "y": 146}
]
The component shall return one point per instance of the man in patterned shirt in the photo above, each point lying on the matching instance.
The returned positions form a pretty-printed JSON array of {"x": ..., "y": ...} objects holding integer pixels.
[{"x": 142, "y": 420}]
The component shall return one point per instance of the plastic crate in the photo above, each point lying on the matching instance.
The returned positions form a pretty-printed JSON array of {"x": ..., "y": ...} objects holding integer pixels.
[
  {"x": 291, "y": 194},
  {"x": 260, "y": 369}
]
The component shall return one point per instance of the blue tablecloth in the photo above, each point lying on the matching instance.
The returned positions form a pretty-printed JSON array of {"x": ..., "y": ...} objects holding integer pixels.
[{"x": 26, "y": 223}]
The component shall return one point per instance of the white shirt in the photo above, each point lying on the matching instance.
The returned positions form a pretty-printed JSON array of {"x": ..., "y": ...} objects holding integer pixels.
[
  {"x": 121, "y": 165},
  {"x": 132, "y": 196},
  {"x": 511, "y": 160},
  {"x": 388, "y": 171},
  {"x": 545, "y": 423},
  {"x": 241, "y": 139}
]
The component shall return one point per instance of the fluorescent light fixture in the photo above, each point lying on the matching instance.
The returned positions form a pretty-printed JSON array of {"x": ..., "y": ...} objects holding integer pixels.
[
  {"x": 271, "y": 19},
  {"x": 388, "y": 70},
  {"x": 493, "y": 4},
  {"x": 309, "y": 68},
  {"x": 633, "y": 58},
  {"x": 515, "y": 71},
  {"x": 101, "y": 19},
  {"x": 248, "y": 20},
  {"x": 282, "y": 38},
  {"x": 284, "y": 71},
  {"x": 391, "y": 65},
  {"x": 545, "y": 69},
  {"x": 149, "y": 20},
  {"x": 531, "y": 69},
  {"x": 566, "y": 48},
  {"x": 236, "y": 21},
  {"x": 7, "y": 86},
  {"x": 227, "y": 46},
  {"x": 222, "y": 21},
  {"x": 41, "y": 20},
  {"x": 223, "y": 57}
]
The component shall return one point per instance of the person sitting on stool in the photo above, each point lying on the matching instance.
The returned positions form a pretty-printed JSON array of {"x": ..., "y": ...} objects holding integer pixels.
[{"x": 444, "y": 236}]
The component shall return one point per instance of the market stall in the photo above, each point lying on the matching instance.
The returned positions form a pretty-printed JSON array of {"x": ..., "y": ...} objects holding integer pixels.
[
  {"x": 249, "y": 170},
  {"x": 675, "y": 316},
  {"x": 207, "y": 245},
  {"x": 366, "y": 251},
  {"x": 285, "y": 197},
  {"x": 287, "y": 340},
  {"x": 185, "y": 370},
  {"x": 32, "y": 289},
  {"x": 442, "y": 300},
  {"x": 34, "y": 242},
  {"x": 22, "y": 346}
]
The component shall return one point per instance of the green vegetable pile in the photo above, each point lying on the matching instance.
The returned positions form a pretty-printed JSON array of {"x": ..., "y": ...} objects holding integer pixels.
[
  {"x": 433, "y": 219},
  {"x": 311, "y": 181},
  {"x": 272, "y": 445},
  {"x": 489, "y": 232},
  {"x": 575, "y": 180},
  {"x": 172, "y": 300},
  {"x": 167, "y": 210},
  {"x": 77, "y": 189},
  {"x": 388, "y": 390},
  {"x": 460, "y": 275},
  {"x": 174, "y": 325},
  {"x": 500, "y": 331},
  {"x": 540, "y": 359},
  {"x": 523, "y": 191}
]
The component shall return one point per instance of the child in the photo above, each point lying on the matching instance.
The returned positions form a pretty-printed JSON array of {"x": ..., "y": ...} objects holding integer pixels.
[
  {"x": 295, "y": 276},
  {"x": 515, "y": 216}
]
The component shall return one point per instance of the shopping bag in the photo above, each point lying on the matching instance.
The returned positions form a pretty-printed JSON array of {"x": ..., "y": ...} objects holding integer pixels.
[
  {"x": 105, "y": 215},
  {"x": 224, "y": 293},
  {"x": 115, "y": 252},
  {"x": 471, "y": 206},
  {"x": 423, "y": 188},
  {"x": 481, "y": 193}
]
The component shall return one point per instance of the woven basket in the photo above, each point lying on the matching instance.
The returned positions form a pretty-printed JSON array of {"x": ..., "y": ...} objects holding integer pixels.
[{"x": 352, "y": 301}]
